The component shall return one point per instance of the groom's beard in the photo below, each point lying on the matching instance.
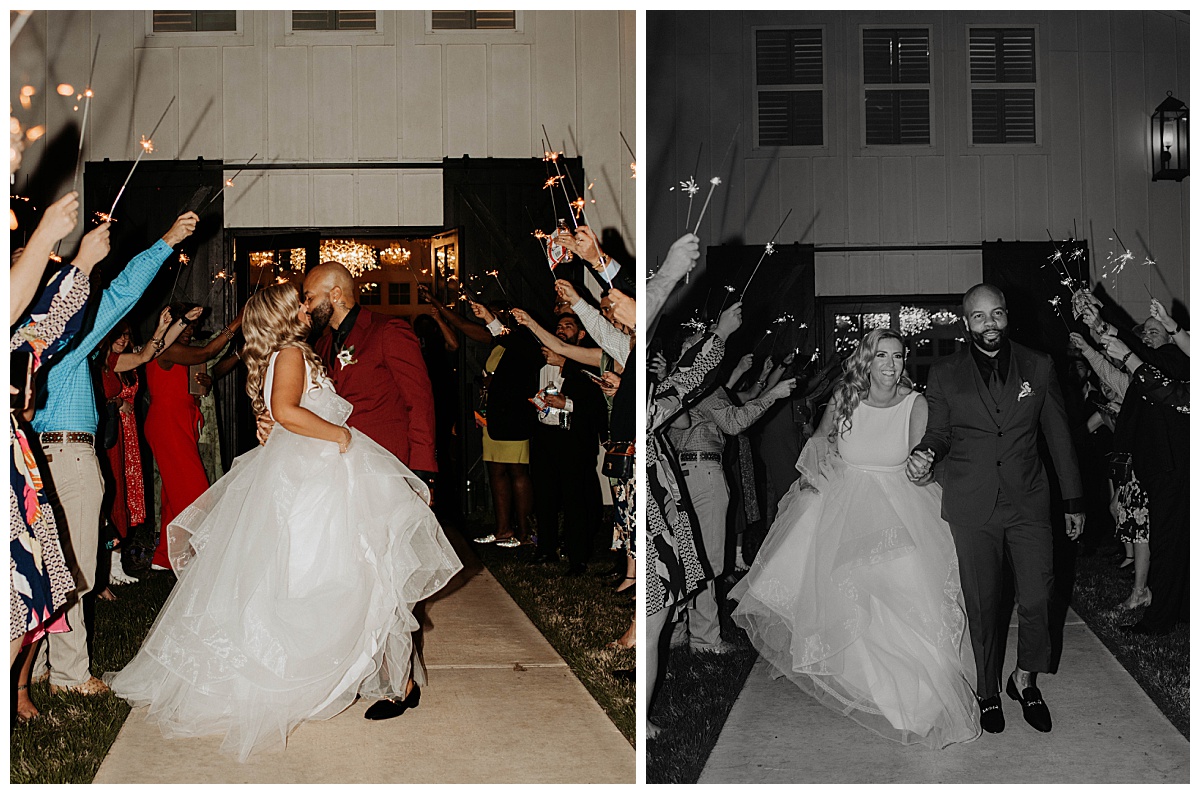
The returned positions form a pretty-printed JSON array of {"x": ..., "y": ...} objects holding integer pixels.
[
  {"x": 319, "y": 318},
  {"x": 1001, "y": 335}
]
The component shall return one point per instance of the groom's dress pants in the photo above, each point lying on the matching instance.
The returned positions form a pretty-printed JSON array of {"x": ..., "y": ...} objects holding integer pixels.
[{"x": 981, "y": 553}]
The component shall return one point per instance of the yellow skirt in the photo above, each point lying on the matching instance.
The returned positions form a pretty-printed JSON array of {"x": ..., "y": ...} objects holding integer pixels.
[{"x": 504, "y": 451}]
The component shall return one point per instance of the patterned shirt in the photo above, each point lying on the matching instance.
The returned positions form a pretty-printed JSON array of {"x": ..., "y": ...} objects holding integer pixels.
[
  {"x": 70, "y": 404},
  {"x": 715, "y": 416}
]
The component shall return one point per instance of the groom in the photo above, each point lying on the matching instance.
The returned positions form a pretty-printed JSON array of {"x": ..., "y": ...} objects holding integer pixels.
[
  {"x": 987, "y": 403},
  {"x": 376, "y": 365}
]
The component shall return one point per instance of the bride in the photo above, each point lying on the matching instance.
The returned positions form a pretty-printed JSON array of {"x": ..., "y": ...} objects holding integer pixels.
[
  {"x": 298, "y": 570},
  {"x": 855, "y": 593}
]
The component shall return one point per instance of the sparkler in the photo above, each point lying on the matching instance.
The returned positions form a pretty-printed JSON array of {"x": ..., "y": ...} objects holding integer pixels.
[
  {"x": 147, "y": 144},
  {"x": 716, "y": 180},
  {"x": 87, "y": 105},
  {"x": 1055, "y": 304},
  {"x": 184, "y": 260},
  {"x": 768, "y": 250},
  {"x": 552, "y": 157},
  {"x": 496, "y": 275},
  {"x": 229, "y": 182},
  {"x": 632, "y": 165}
]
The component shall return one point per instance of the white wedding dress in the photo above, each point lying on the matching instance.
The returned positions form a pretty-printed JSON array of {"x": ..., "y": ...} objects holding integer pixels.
[
  {"x": 298, "y": 574},
  {"x": 855, "y": 594}
]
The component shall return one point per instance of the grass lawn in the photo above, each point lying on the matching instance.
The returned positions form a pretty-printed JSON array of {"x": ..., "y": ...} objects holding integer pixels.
[
  {"x": 698, "y": 691},
  {"x": 71, "y": 737}
]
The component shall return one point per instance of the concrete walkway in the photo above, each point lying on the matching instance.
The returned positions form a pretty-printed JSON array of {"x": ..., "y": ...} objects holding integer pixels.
[
  {"x": 1106, "y": 730},
  {"x": 501, "y": 706}
]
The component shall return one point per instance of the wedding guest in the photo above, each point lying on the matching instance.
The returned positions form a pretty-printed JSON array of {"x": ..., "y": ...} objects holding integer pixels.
[
  {"x": 39, "y": 580},
  {"x": 173, "y": 424},
  {"x": 1160, "y": 455},
  {"x": 438, "y": 341},
  {"x": 67, "y": 430},
  {"x": 563, "y": 451},
  {"x": 120, "y": 384},
  {"x": 511, "y": 376},
  {"x": 1178, "y": 335},
  {"x": 699, "y": 448},
  {"x": 1131, "y": 505}
]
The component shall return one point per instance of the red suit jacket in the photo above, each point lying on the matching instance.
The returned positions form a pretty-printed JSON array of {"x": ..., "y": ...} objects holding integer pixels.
[{"x": 388, "y": 386}]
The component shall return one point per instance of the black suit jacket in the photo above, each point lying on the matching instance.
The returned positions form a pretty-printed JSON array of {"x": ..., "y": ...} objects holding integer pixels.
[{"x": 991, "y": 445}]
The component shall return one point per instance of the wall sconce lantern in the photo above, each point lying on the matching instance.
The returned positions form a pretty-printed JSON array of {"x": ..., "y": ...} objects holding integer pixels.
[{"x": 1169, "y": 140}]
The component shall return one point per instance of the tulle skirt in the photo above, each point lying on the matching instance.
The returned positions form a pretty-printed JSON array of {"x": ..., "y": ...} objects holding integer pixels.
[
  {"x": 855, "y": 597},
  {"x": 298, "y": 574}
]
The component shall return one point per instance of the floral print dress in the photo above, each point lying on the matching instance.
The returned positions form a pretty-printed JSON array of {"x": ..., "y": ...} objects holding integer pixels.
[{"x": 39, "y": 578}]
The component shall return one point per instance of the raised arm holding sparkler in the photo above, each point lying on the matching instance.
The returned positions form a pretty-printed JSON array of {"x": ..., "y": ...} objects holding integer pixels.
[
  {"x": 25, "y": 275},
  {"x": 589, "y": 356},
  {"x": 1173, "y": 329}
]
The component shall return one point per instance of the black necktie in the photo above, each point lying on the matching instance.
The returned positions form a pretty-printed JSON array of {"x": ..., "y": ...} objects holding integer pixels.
[{"x": 994, "y": 384}]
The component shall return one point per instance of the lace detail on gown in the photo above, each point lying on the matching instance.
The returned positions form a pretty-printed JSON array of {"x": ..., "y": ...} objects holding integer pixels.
[
  {"x": 855, "y": 594},
  {"x": 298, "y": 574}
]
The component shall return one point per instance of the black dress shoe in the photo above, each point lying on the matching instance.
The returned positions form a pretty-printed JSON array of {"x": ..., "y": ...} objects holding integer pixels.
[
  {"x": 1032, "y": 705},
  {"x": 1142, "y": 629},
  {"x": 391, "y": 707},
  {"x": 991, "y": 714}
]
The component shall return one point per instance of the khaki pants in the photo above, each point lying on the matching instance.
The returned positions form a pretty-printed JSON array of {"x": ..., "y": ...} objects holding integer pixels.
[
  {"x": 79, "y": 490},
  {"x": 710, "y": 502}
]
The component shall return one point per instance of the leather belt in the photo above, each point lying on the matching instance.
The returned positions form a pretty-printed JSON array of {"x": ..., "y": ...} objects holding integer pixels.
[
  {"x": 55, "y": 437},
  {"x": 692, "y": 457}
]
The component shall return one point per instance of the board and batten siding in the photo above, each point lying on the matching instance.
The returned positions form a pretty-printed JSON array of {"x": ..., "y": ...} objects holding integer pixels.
[
  {"x": 1101, "y": 74},
  {"x": 397, "y": 95}
]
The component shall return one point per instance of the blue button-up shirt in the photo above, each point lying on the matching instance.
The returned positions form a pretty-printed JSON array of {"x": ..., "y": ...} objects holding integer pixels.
[{"x": 70, "y": 402}]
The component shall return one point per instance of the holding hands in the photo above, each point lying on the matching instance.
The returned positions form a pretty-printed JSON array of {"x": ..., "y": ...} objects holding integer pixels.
[{"x": 919, "y": 467}]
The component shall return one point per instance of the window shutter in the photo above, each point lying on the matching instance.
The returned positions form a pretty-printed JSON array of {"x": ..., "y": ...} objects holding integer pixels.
[
  {"x": 194, "y": 21},
  {"x": 896, "y": 56},
  {"x": 897, "y": 117},
  {"x": 790, "y": 118},
  {"x": 474, "y": 20},
  {"x": 789, "y": 57},
  {"x": 1003, "y": 56}
]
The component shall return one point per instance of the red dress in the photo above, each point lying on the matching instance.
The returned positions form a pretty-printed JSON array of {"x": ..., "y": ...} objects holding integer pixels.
[
  {"x": 173, "y": 431},
  {"x": 125, "y": 457}
]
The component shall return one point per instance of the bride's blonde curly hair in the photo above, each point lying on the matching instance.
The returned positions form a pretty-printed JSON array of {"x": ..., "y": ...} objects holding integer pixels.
[
  {"x": 856, "y": 379},
  {"x": 270, "y": 323}
]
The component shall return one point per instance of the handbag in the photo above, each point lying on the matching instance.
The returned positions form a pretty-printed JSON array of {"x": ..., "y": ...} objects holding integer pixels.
[
  {"x": 1119, "y": 467},
  {"x": 618, "y": 460}
]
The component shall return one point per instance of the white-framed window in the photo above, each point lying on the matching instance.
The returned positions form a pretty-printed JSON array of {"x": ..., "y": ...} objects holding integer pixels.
[
  {"x": 1003, "y": 66},
  {"x": 896, "y": 84},
  {"x": 472, "y": 20},
  {"x": 343, "y": 21},
  {"x": 161, "y": 23},
  {"x": 399, "y": 293},
  {"x": 369, "y": 294},
  {"x": 789, "y": 86}
]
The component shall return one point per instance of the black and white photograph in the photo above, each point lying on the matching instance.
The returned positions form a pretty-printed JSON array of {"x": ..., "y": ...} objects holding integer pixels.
[
  {"x": 323, "y": 415},
  {"x": 917, "y": 453}
]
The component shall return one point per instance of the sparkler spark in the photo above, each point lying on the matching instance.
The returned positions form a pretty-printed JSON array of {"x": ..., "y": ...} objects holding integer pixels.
[
  {"x": 690, "y": 187},
  {"x": 730, "y": 289},
  {"x": 770, "y": 249},
  {"x": 104, "y": 217},
  {"x": 184, "y": 259},
  {"x": 552, "y": 181},
  {"x": 146, "y": 144}
]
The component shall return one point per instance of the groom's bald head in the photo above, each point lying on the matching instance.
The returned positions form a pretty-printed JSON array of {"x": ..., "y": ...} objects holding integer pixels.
[{"x": 981, "y": 293}]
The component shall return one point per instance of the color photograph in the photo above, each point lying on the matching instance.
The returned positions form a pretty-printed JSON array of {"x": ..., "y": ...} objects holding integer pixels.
[{"x": 323, "y": 410}]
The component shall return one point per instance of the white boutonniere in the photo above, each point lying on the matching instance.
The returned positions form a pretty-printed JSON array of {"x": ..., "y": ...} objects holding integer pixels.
[
  {"x": 346, "y": 357},
  {"x": 1026, "y": 390}
]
